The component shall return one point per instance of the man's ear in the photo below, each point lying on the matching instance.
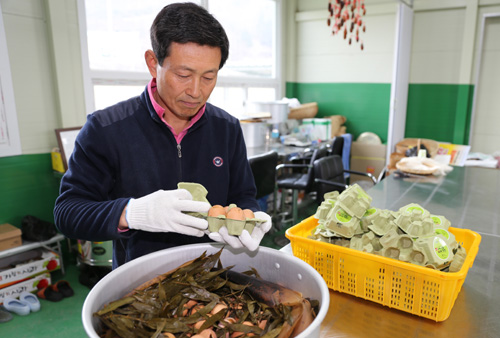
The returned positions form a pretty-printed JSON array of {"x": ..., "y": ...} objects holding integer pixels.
[{"x": 151, "y": 62}]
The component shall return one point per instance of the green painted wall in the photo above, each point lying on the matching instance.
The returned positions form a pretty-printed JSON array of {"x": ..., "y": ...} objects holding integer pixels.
[
  {"x": 439, "y": 112},
  {"x": 28, "y": 186},
  {"x": 365, "y": 105},
  {"x": 436, "y": 111}
]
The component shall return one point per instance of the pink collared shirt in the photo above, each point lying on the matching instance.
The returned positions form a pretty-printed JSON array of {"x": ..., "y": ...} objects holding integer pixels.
[{"x": 160, "y": 111}]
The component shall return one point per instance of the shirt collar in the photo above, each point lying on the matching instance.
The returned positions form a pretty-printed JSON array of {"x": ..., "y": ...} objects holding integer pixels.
[{"x": 161, "y": 111}]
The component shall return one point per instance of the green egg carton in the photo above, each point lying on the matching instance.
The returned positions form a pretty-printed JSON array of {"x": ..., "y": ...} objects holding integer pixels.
[
  {"x": 321, "y": 231},
  {"x": 331, "y": 195},
  {"x": 390, "y": 239},
  {"x": 436, "y": 248},
  {"x": 416, "y": 211},
  {"x": 251, "y": 223},
  {"x": 440, "y": 222},
  {"x": 215, "y": 223},
  {"x": 417, "y": 257},
  {"x": 355, "y": 206},
  {"x": 198, "y": 192},
  {"x": 368, "y": 217},
  {"x": 235, "y": 227},
  {"x": 382, "y": 224},
  {"x": 341, "y": 222},
  {"x": 390, "y": 252}
]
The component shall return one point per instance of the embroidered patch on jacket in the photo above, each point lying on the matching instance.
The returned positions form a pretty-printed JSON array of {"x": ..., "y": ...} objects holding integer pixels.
[{"x": 218, "y": 161}]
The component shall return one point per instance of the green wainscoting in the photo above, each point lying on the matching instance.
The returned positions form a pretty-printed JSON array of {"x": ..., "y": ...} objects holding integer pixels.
[
  {"x": 439, "y": 112},
  {"x": 436, "y": 111},
  {"x": 28, "y": 186},
  {"x": 365, "y": 105}
]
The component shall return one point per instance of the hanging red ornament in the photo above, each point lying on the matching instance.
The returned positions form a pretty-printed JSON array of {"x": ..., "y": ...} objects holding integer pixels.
[{"x": 346, "y": 15}]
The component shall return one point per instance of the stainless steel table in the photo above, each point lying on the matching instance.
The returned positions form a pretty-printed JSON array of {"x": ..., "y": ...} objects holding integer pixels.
[
  {"x": 282, "y": 150},
  {"x": 469, "y": 198}
]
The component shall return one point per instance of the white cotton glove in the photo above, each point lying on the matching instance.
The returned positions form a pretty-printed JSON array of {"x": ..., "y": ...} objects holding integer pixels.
[
  {"x": 162, "y": 211},
  {"x": 252, "y": 241}
]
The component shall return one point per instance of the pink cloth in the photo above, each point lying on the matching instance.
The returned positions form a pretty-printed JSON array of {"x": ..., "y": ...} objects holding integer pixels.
[{"x": 160, "y": 111}]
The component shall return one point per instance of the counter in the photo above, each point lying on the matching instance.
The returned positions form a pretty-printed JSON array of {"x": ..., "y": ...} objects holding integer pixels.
[{"x": 469, "y": 198}]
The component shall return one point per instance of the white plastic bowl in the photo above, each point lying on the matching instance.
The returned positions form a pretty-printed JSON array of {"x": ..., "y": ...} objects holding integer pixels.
[{"x": 272, "y": 265}]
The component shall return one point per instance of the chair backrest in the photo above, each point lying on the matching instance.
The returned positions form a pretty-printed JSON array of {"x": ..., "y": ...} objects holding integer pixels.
[
  {"x": 329, "y": 168},
  {"x": 263, "y": 168},
  {"x": 317, "y": 154},
  {"x": 337, "y": 146}
]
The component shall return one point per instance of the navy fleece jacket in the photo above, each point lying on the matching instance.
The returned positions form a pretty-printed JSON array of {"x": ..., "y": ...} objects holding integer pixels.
[{"x": 126, "y": 151}]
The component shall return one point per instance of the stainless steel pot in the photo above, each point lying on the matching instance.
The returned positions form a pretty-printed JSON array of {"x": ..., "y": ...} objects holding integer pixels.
[
  {"x": 254, "y": 133},
  {"x": 279, "y": 110}
]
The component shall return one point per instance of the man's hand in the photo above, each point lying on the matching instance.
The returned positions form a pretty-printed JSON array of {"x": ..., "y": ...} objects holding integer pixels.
[
  {"x": 252, "y": 241},
  {"x": 162, "y": 211}
]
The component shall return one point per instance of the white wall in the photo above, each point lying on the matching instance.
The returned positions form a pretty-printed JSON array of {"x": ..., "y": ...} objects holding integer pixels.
[
  {"x": 441, "y": 43},
  {"x": 47, "y": 77},
  {"x": 444, "y": 50},
  {"x": 44, "y": 79},
  {"x": 323, "y": 57},
  {"x": 486, "y": 118},
  {"x": 437, "y": 46}
]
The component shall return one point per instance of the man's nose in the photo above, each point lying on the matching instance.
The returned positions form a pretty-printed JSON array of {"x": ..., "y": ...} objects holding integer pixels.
[{"x": 194, "y": 88}]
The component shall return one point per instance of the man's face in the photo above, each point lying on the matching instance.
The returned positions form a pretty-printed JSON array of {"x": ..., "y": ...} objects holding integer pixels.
[{"x": 186, "y": 79}]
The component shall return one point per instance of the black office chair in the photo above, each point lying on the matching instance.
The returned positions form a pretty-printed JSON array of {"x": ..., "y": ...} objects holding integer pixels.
[
  {"x": 337, "y": 146},
  {"x": 329, "y": 176},
  {"x": 263, "y": 168},
  {"x": 301, "y": 178}
]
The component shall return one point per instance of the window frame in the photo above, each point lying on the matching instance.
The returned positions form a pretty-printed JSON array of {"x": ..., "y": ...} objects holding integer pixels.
[{"x": 108, "y": 77}]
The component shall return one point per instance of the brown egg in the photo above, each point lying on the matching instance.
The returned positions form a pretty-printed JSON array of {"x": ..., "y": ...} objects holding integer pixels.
[
  {"x": 218, "y": 307},
  {"x": 236, "y": 213},
  {"x": 216, "y": 210},
  {"x": 248, "y": 213},
  {"x": 236, "y": 334},
  {"x": 199, "y": 323}
]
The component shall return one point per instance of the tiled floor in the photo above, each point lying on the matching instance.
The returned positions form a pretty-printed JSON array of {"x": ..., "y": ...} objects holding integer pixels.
[{"x": 63, "y": 319}]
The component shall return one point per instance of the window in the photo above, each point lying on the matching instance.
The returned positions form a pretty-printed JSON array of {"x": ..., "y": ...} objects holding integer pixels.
[{"x": 115, "y": 35}]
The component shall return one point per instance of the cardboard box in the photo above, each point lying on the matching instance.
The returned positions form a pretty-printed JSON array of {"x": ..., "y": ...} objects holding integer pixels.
[
  {"x": 28, "y": 285},
  {"x": 10, "y": 237},
  {"x": 367, "y": 158},
  {"x": 25, "y": 265},
  {"x": 457, "y": 153}
]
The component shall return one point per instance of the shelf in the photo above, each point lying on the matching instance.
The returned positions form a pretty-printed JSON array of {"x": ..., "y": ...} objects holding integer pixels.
[{"x": 53, "y": 244}]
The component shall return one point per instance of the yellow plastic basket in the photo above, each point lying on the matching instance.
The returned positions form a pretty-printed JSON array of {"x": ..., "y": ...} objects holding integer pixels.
[{"x": 408, "y": 287}]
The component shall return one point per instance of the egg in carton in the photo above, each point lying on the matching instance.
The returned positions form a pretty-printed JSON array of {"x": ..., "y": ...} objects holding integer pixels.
[{"x": 233, "y": 218}]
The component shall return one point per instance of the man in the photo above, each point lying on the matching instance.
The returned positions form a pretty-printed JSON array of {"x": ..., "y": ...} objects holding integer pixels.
[{"x": 121, "y": 183}]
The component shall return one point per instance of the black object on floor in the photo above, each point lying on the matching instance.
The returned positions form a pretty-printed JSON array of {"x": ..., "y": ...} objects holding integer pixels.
[
  {"x": 90, "y": 275},
  {"x": 37, "y": 230},
  {"x": 50, "y": 294},
  {"x": 64, "y": 288}
]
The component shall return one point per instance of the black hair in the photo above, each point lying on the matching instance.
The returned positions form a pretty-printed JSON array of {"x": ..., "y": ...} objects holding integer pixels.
[{"x": 183, "y": 23}]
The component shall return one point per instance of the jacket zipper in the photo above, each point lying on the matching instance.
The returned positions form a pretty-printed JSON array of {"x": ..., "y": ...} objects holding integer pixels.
[{"x": 179, "y": 154}]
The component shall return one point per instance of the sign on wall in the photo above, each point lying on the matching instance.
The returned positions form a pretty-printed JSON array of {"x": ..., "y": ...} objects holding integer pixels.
[{"x": 10, "y": 143}]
